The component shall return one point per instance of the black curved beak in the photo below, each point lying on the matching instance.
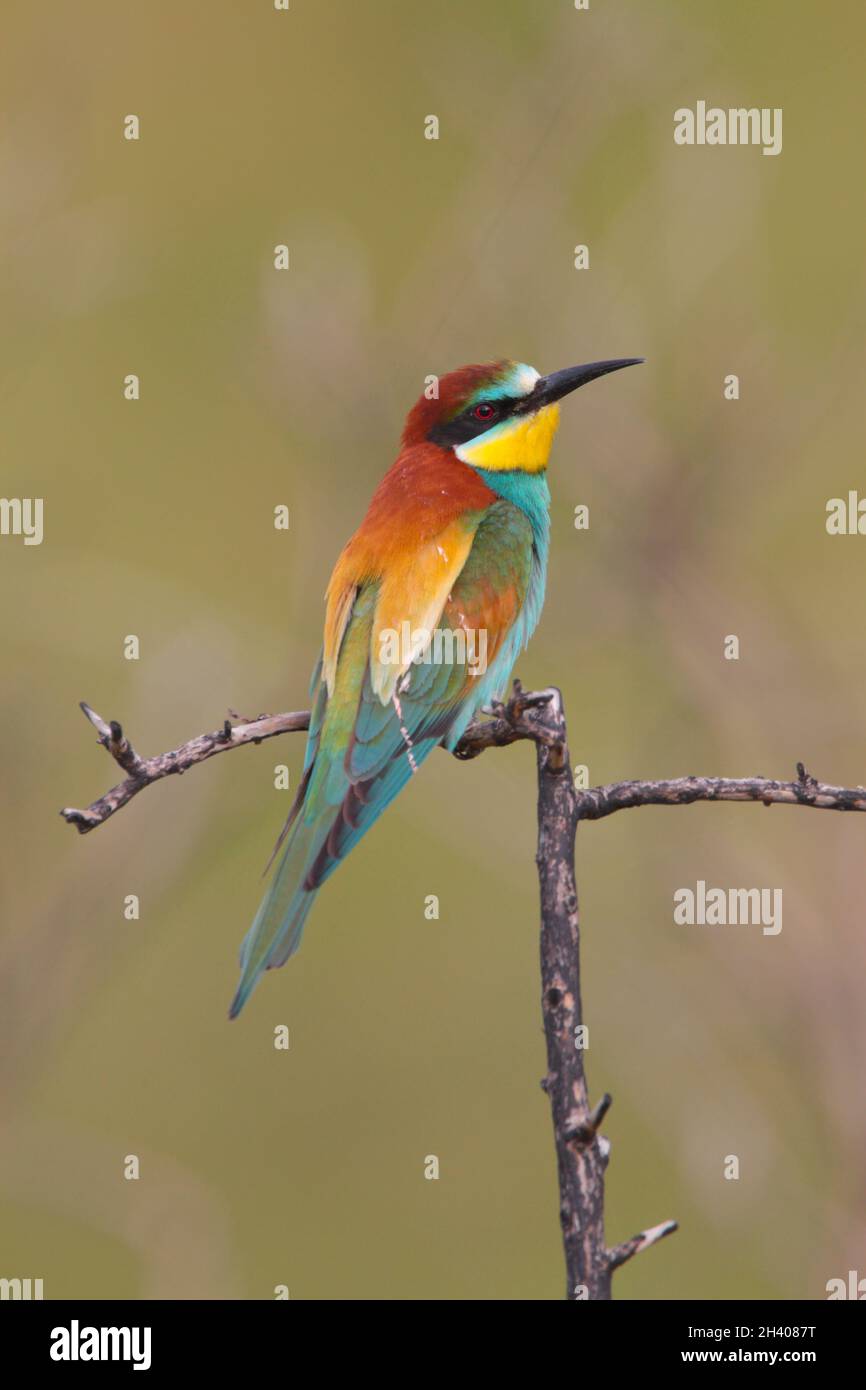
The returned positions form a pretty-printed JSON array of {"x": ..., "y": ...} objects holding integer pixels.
[{"x": 552, "y": 388}]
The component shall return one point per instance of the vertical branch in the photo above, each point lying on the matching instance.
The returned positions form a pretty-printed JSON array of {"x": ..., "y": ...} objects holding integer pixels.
[{"x": 581, "y": 1152}]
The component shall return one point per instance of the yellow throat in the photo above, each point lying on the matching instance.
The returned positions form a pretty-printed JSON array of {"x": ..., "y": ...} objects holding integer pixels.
[{"x": 521, "y": 443}]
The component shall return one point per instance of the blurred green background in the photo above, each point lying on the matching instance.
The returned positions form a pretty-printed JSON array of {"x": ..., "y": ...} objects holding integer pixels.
[{"x": 409, "y": 256}]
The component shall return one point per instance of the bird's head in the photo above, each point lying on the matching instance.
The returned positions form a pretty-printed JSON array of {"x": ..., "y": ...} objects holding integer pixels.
[{"x": 499, "y": 416}]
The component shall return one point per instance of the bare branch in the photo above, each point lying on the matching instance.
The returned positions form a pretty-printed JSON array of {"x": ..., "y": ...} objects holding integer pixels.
[
  {"x": 516, "y": 720},
  {"x": 596, "y": 802},
  {"x": 582, "y": 1152},
  {"x": 145, "y": 771},
  {"x": 522, "y": 718}
]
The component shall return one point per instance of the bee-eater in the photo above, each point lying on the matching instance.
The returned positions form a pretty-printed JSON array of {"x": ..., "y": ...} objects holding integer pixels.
[{"x": 452, "y": 557}]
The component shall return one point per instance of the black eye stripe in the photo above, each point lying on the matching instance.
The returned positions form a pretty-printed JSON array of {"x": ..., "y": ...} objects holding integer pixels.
[{"x": 466, "y": 425}]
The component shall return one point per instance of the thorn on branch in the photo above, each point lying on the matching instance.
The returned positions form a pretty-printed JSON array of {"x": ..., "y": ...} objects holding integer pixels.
[
  {"x": 621, "y": 1253},
  {"x": 96, "y": 720},
  {"x": 806, "y": 785},
  {"x": 111, "y": 736},
  {"x": 583, "y": 1131}
]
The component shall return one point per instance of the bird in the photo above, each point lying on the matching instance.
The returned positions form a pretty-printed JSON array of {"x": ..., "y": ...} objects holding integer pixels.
[{"x": 453, "y": 549}]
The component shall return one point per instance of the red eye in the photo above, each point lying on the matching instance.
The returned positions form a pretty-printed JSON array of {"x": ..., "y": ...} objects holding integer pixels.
[{"x": 484, "y": 411}]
